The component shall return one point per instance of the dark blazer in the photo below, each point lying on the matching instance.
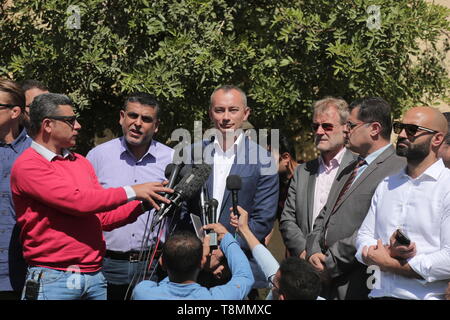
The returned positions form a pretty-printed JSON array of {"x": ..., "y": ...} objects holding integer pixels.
[
  {"x": 258, "y": 196},
  {"x": 335, "y": 230},
  {"x": 296, "y": 219}
]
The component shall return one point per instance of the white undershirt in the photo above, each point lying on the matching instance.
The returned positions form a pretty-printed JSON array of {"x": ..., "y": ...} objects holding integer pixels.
[{"x": 223, "y": 161}]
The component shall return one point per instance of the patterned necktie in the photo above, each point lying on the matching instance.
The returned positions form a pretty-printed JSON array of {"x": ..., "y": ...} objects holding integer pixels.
[
  {"x": 349, "y": 181},
  {"x": 344, "y": 189}
]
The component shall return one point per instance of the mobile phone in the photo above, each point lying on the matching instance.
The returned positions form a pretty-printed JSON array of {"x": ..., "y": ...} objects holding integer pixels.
[
  {"x": 402, "y": 238},
  {"x": 31, "y": 289}
]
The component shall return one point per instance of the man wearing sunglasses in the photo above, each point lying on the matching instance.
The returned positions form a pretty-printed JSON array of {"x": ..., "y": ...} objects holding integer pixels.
[
  {"x": 414, "y": 203},
  {"x": 312, "y": 181},
  {"x": 330, "y": 247},
  {"x": 13, "y": 141},
  {"x": 62, "y": 209}
]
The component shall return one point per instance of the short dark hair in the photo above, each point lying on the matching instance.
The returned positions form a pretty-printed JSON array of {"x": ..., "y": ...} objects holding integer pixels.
[
  {"x": 16, "y": 95},
  {"x": 375, "y": 109},
  {"x": 30, "y": 84},
  {"x": 182, "y": 254},
  {"x": 43, "y": 106},
  {"x": 447, "y": 137},
  {"x": 144, "y": 99},
  {"x": 298, "y": 280}
]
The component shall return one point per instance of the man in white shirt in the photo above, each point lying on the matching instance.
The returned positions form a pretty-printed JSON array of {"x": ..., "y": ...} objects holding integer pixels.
[
  {"x": 232, "y": 153},
  {"x": 416, "y": 201}
]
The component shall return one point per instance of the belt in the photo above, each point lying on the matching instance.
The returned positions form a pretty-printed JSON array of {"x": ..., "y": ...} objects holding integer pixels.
[{"x": 132, "y": 256}]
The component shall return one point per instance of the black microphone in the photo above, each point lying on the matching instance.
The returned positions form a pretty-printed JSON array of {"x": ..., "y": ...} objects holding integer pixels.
[
  {"x": 212, "y": 216},
  {"x": 171, "y": 173},
  {"x": 234, "y": 184},
  {"x": 188, "y": 186}
]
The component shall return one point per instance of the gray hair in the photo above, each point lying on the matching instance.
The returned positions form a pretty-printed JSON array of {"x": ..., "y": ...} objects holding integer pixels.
[
  {"x": 340, "y": 104},
  {"x": 227, "y": 88},
  {"x": 44, "y": 106}
]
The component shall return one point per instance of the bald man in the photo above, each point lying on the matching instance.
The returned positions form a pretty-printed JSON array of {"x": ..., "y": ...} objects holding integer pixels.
[{"x": 406, "y": 233}]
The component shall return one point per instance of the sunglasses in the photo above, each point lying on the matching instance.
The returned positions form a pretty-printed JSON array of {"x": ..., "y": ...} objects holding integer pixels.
[
  {"x": 325, "y": 126},
  {"x": 7, "y": 105},
  {"x": 410, "y": 129},
  {"x": 70, "y": 120}
]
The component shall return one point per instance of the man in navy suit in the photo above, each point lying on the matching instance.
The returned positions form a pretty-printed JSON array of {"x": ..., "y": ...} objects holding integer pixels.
[{"x": 230, "y": 152}]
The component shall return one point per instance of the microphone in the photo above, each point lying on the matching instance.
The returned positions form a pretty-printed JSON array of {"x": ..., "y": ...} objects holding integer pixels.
[
  {"x": 234, "y": 184},
  {"x": 187, "y": 188},
  {"x": 212, "y": 216},
  {"x": 204, "y": 205},
  {"x": 171, "y": 173}
]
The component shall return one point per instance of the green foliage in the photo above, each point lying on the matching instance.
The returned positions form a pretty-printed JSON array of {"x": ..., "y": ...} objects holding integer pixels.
[{"x": 285, "y": 54}]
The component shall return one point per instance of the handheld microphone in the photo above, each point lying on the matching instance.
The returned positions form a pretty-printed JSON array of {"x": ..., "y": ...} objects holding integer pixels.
[
  {"x": 212, "y": 216},
  {"x": 187, "y": 188},
  {"x": 234, "y": 184}
]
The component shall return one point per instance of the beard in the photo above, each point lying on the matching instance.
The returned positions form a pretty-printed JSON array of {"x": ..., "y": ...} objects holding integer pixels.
[{"x": 413, "y": 152}]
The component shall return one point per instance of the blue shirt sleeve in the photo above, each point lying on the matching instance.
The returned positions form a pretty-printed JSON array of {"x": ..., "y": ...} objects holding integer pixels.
[{"x": 242, "y": 278}]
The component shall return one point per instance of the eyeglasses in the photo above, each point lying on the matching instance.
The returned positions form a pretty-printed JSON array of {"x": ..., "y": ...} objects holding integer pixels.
[
  {"x": 70, "y": 120},
  {"x": 352, "y": 125},
  {"x": 410, "y": 129},
  {"x": 325, "y": 126},
  {"x": 7, "y": 105}
]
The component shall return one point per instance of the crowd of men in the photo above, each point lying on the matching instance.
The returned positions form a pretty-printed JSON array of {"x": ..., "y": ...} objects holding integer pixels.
[{"x": 366, "y": 219}]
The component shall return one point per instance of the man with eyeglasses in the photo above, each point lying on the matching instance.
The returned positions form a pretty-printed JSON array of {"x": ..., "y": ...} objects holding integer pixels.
[
  {"x": 406, "y": 234},
  {"x": 13, "y": 141},
  {"x": 312, "y": 181},
  {"x": 139, "y": 158},
  {"x": 330, "y": 247},
  {"x": 62, "y": 209}
]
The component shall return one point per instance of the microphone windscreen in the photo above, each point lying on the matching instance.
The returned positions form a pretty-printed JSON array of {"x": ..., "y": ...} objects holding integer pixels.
[
  {"x": 193, "y": 181},
  {"x": 234, "y": 182},
  {"x": 169, "y": 168},
  {"x": 213, "y": 203}
]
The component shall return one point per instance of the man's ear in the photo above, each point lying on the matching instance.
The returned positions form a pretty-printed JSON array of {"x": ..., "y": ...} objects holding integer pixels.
[
  {"x": 162, "y": 263},
  {"x": 375, "y": 128},
  {"x": 16, "y": 112},
  {"x": 438, "y": 139}
]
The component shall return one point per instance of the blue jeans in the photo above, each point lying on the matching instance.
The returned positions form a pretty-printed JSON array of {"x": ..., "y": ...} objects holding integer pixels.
[{"x": 67, "y": 285}]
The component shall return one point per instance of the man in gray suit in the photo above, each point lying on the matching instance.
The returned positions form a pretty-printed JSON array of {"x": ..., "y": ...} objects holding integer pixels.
[
  {"x": 331, "y": 246},
  {"x": 312, "y": 180}
]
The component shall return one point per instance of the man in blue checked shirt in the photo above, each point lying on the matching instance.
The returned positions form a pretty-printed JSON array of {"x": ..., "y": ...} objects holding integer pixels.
[
  {"x": 13, "y": 141},
  {"x": 133, "y": 158}
]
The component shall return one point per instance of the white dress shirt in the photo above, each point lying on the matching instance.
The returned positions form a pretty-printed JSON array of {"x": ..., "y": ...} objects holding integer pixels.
[
  {"x": 421, "y": 208},
  {"x": 324, "y": 180},
  {"x": 223, "y": 161}
]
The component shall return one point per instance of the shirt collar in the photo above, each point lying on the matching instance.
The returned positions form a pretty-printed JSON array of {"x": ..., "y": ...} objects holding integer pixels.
[
  {"x": 335, "y": 162},
  {"x": 371, "y": 157},
  {"x": 50, "y": 155},
  {"x": 150, "y": 151},
  {"x": 236, "y": 145},
  {"x": 433, "y": 171},
  {"x": 20, "y": 139}
]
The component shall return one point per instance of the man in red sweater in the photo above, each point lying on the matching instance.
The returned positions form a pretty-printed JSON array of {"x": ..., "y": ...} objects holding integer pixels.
[{"x": 62, "y": 209}]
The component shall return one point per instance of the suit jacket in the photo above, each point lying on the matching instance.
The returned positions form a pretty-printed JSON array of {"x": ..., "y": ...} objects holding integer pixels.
[
  {"x": 258, "y": 196},
  {"x": 296, "y": 219},
  {"x": 335, "y": 230}
]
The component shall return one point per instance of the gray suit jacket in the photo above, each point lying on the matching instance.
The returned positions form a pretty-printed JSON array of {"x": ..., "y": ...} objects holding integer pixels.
[
  {"x": 348, "y": 276},
  {"x": 296, "y": 218}
]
